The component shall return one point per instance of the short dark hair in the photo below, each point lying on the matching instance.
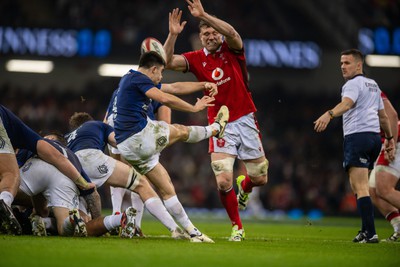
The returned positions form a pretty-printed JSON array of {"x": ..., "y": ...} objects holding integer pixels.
[
  {"x": 355, "y": 53},
  {"x": 150, "y": 59},
  {"x": 78, "y": 119}
]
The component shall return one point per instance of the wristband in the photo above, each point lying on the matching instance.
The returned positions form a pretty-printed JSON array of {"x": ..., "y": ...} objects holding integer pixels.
[
  {"x": 81, "y": 182},
  {"x": 389, "y": 138},
  {"x": 330, "y": 112}
]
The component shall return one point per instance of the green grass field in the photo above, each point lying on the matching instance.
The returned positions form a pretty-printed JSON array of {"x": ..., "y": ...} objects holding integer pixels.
[{"x": 325, "y": 242}]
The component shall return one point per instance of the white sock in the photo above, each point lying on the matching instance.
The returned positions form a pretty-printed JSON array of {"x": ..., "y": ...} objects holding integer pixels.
[
  {"x": 156, "y": 208},
  {"x": 112, "y": 221},
  {"x": 395, "y": 222},
  {"x": 138, "y": 204},
  {"x": 199, "y": 133},
  {"x": 117, "y": 194},
  {"x": 175, "y": 208},
  {"x": 7, "y": 197}
]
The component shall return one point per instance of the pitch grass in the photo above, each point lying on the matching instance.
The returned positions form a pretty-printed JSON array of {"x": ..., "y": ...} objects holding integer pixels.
[{"x": 326, "y": 242}]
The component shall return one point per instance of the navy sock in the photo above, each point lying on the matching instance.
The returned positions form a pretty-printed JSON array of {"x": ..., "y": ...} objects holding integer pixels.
[
  {"x": 359, "y": 212},
  {"x": 366, "y": 209}
]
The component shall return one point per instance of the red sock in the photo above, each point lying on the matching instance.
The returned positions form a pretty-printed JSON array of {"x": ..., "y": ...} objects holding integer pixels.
[
  {"x": 247, "y": 184},
  {"x": 229, "y": 201},
  {"x": 392, "y": 215}
]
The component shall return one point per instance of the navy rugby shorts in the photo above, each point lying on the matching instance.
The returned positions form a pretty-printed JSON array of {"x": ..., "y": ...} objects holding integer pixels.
[{"x": 361, "y": 150}]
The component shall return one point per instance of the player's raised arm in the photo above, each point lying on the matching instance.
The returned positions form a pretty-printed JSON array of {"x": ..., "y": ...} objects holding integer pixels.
[
  {"x": 175, "y": 62},
  {"x": 232, "y": 37}
]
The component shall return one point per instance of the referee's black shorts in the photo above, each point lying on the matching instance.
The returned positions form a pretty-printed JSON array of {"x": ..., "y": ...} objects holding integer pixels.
[{"x": 361, "y": 150}]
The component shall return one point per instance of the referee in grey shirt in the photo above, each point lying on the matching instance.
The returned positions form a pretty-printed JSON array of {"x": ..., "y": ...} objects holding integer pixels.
[{"x": 363, "y": 116}]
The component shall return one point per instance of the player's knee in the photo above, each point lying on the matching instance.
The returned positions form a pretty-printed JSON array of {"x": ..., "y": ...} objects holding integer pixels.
[
  {"x": 224, "y": 185},
  {"x": 182, "y": 131},
  {"x": 258, "y": 171},
  {"x": 222, "y": 165}
]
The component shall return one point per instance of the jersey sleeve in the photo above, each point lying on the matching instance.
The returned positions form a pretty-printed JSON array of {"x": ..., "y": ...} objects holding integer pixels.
[
  {"x": 142, "y": 82},
  {"x": 190, "y": 58},
  {"x": 23, "y": 136},
  {"x": 351, "y": 90}
]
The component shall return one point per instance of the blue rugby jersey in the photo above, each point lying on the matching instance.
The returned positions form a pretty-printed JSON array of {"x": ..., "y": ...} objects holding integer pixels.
[
  {"x": 90, "y": 135},
  {"x": 21, "y": 136},
  {"x": 132, "y": 104}
]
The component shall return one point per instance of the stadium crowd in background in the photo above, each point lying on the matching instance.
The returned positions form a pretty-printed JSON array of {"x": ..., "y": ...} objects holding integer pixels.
[
  {"x": 131, "y": 22},
  {"x": 306, "y": 178}
]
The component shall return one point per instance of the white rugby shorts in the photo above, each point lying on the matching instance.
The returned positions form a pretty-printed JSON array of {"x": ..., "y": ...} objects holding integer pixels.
[
  {"x": 393, "y": 168},
  {"x": 97, "y": 165},
  {"x": 38, "y": 176},
  {"x": 241, "y": 138},
  {"x": 142, "y": 149}
]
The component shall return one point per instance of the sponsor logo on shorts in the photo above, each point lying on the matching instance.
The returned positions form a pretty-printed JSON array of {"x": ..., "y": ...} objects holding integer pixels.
[
  {"x": 161, "y": 141},
  {"x": 103, "y": 169},
  {"x": 220, "y": 142},
  {"x": 364, "y": 161},
  {"x": 26, "y": 167}
]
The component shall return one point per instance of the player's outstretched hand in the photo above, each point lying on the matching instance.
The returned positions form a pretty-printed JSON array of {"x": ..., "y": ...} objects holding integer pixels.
[
  {"x": 212, "y": 88},
  {"x": 322, "y": 122},
  {"x": 203, "y": 102},
  {"x": 195, "y": 8},
  {"x": 175, "y": 25}
]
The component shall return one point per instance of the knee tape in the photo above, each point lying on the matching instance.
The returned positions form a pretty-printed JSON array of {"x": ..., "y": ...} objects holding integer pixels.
[
  {"x": 133, "y": 179},
  {"x": 257, "y": 169},
  {"x": 222, "y": 165}
]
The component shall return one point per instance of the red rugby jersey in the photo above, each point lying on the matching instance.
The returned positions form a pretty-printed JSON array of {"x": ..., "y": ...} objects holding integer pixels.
[{"x": 228, "y": 70}]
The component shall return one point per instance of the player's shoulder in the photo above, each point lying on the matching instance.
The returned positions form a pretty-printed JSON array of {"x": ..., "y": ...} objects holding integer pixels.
[
  {"x": 355, "y": 81},
  {"x": 95, "y": 123}
]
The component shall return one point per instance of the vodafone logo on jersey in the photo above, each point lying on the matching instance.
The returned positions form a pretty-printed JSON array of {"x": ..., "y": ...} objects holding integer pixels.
[{"x": 217, "y": 74}]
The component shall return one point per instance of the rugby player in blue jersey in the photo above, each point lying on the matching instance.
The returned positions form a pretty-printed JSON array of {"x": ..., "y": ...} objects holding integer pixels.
[
  {"x": 53, "y": 190},
  {"x": 140, "y": 139},
  {"x": 121, "y": 197},
  {"x": 88, "y": 140},
  {"x": 61, "y": 196},
  {"x": 14, "y": 134}
]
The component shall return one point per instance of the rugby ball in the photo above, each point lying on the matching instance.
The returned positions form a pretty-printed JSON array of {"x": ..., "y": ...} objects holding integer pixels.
[{"x": 152, "y": 44}]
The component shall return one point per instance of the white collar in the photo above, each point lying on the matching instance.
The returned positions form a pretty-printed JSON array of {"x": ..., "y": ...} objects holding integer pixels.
[{"x": 206, "y": 52}]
